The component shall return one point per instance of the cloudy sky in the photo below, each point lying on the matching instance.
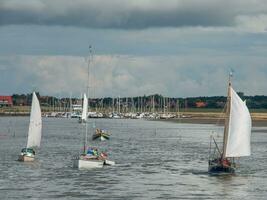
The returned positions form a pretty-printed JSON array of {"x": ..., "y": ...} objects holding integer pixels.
[{"x": 176, "y": 48}]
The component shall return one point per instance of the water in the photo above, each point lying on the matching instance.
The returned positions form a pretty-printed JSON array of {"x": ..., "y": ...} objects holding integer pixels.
[{"x": 154, "y": 160}]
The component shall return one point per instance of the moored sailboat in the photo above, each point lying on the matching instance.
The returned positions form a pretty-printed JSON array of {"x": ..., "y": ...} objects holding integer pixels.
[
  {"x": 34, "y": 133},
  {"x": 237, "y": 133},
  {"x": 84, "y": 116}
]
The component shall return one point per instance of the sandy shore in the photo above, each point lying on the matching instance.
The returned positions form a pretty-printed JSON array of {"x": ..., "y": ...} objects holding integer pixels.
[
  {"x": 256, "y": 123},
  {"x": 258, "y": 119}
]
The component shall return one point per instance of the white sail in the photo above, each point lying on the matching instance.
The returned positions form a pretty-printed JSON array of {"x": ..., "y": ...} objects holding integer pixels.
[
  {"x": 35, "y": 126},
  {"x": 238, "y": 141},
  {"x": 85, "y": 108}
]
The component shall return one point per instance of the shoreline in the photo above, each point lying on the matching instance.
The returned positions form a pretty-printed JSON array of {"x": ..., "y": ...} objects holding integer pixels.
[
  {"x": 255, "y": 122},
  {"x": 258, "y": 119}
]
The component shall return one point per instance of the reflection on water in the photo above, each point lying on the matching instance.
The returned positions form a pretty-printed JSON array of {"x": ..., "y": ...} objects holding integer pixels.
[{"x": 155, "y": 160}]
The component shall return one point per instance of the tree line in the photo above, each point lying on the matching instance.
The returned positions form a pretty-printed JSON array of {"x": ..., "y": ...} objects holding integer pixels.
[{"x": 143, "y": 103}]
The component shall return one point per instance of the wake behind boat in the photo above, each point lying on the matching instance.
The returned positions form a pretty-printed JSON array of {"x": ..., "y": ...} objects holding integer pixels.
[
  {"x": 237, "y": 133},
  {"x": 34, "y": 133}
]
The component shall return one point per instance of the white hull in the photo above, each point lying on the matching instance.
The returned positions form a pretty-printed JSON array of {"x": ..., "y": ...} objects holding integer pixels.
[
  {"x": 25, "y": 158},
  {"x": 102, "y": 138},
  {"x": 88, "y": 164}
]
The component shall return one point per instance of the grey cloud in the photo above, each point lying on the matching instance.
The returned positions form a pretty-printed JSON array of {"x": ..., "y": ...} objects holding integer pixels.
[
  {"x": 124, "y": 75},
  {"x": 130, "y": 14}
]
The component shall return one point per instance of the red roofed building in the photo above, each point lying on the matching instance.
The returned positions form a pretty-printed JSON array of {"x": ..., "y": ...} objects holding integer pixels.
[
  {"x": 201, "y": 104},
  {"x": 6, "y": 101}
]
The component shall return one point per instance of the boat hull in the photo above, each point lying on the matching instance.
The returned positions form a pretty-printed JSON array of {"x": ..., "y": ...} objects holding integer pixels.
[
  {"x": 101, "y": 137},
  {"x": 219, "y": 168},
  {"x": 25, "y": 158},
  {"x": 88, "y": 164}
]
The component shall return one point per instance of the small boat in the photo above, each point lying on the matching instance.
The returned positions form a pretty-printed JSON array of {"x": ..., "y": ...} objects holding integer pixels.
[
  {"x": 101, "y": 134},
  {"x": 35, "y": 131},
  {"x": 237, "y": 133},
  {"x": 92, "y": 159}
]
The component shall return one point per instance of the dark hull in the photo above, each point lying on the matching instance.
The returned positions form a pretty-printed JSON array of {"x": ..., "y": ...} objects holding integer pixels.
[{"x": 219, "y": 168}]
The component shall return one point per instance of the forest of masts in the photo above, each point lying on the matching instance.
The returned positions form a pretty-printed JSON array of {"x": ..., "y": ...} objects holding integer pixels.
[{"x": 151, "y": 104}]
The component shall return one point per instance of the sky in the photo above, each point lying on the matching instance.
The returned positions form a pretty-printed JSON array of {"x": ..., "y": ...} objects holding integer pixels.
[{"x": 177, "y": 48}]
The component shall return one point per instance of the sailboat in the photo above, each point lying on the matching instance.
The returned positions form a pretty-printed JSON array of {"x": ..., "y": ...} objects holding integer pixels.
[
  {"x": 90, "y": 158},
  {"x": 34, "y": 133},
  {"x": 84, "y": 116},
  {"x": 237, "y": 133}
]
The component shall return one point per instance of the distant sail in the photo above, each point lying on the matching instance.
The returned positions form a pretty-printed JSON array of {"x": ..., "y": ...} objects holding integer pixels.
[
  {"x": 238, "y": 142},
  {"x": 35, "y": 127},
  {"x": 85, "y": 108}
]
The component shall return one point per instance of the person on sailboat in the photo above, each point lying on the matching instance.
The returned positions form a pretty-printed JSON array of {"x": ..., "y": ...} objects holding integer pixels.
[{"x": 92, "y": 151}]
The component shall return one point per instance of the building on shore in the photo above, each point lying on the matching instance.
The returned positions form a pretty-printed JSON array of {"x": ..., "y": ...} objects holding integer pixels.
[{"x": 6, "y": 101}]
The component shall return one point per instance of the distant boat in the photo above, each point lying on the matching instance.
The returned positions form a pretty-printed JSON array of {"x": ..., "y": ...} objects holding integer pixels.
[
  {"x": 100, "y": 134},
  {"x": 34, "y": 133},
  {"x": 237, "y": 133},
  {"x": 83, "y": 118},
  {"x": 76, "y": 111}
]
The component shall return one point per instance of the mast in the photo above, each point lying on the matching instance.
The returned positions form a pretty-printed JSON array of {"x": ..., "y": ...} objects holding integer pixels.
[
  {"x": 88, "y": 104},
  {"x": 88, "y": 69},
  {"x": 178, "y": 108},
  {"x": 153, "y": 104},
  {"x": 113, "y": 105},
  {"x": 163, "y": 104},
  {"x": 227, "y": 116}
]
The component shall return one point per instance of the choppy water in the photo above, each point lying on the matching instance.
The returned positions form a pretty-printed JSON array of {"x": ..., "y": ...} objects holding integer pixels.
[{"x": 155, "y": 160}]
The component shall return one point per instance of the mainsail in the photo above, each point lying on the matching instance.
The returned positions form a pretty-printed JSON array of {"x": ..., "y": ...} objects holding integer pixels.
[
  {"x": 239, "y": 130},
  {"x": 85, "y": 108},
  {"x": 35, "y": 126}
]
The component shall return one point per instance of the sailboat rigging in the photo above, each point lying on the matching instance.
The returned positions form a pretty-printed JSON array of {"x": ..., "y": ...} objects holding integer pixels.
[{"x": 91, "y": 157}]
